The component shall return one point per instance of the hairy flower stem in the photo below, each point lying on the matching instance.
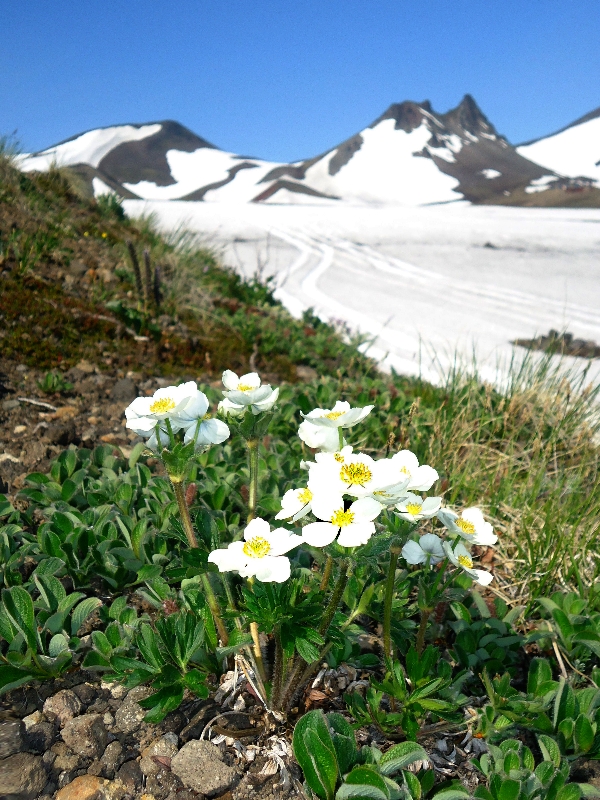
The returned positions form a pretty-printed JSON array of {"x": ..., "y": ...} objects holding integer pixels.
[
  {"x": 211, "y": 598},
  {"x": 387, "y": 604},
  {"x": 326, "y": 574},
  {"x": 335, "y": 598},
  {"x": 277, "y": 672},
  {"x": 425, "y": 614},
  {"x": 300, "y": 666},
  {"x": 257, "y": 651},
  {"x": 253, "y": 485}
]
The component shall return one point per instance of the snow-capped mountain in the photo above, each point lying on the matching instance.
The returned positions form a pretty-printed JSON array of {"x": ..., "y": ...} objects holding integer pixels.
[
  {"x": 573, "y": 151},
  {"x": 410, "y": 155}
]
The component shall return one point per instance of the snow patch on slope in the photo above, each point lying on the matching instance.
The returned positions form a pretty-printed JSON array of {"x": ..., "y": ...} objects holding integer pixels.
[
  {"x": 573, "y": 152},
  {"x": 89, "y": 148}
]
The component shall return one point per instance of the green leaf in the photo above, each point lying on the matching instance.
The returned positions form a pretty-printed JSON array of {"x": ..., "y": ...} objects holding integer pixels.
[
  {"x": 401, "y": 756},
  {"x": 13, "y": 677},
  {"x": 583, "y": 734},
  {"x": 569, "y": 792},
  {"x": 162, "y": 703},
  {"x": 456, "y": 793},
  {"x": 101, "y": 643},
  {"x": 540, "y": 672},
  {"x": 344, "y": 741},
  {"x": 549, "y": 748},
  {"x": 315, "y": 752},
  {"x": 58, "y": 644},
  {"x": 196, "y": 682},
  {"x": 19, "y": 606},
  {"x": 137, "y": 537},
  {"x": 564, "y": 703},
  {"x": 82, "y": 612},
  {"x": 509, "y": 790}
]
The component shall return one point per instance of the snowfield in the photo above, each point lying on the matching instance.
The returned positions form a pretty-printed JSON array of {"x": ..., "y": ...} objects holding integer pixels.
[{"x": 424, "y": 285}]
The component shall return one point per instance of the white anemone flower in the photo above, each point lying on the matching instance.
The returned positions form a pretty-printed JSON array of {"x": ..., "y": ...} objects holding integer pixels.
[
  {"x": 260, "y": 555},
  {"x": 413, "y": 508},
  {"x": 145, "y": 413},
  {"x": 470, "y": 525},
  {"x": 427, "y": 548},
  {"x": 345, "y": 472},
  {"x": 461, "y": 557},
  {"x": 405, "y": 464},
  {"x": 354, "y": 525},
  {"x": 247, "y": 391},
  {"x": 321, "y": 426},
  {"x": 230, "y": 409},
  {"x": 295, "y": 503}
]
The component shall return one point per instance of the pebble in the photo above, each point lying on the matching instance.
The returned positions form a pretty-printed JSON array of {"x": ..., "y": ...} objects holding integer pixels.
[
  {"x": 62, "y": 707},
  {"x": 86, "y": 735},
  {"x": 129, "y": 717},
  {"x": 11, "y": 738},
  {"x": 8, "y": 405},
  {"x": 200, "y": 767},
  {"x": 22, "y": 776},
  {"x": 20, "y": 429},
  {"x": 91, "y": 787},
  {"x": 164, "y": 747}
]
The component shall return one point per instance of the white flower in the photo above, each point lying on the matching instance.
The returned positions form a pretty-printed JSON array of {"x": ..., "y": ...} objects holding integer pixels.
[
  {"x": 428, "y": 548},
  {"x": 405, "y": 464},
  {"x": 470, "y": 525},
  {"x": 315, "y": 436},
  {"x": 260, "y": 555},
  {"x": 185, "y": 407},
  {"x": 413, "y": 508},
  {"x": 460, "y": 557},
  {"x": 344, "y": 472},
  {"x": 295, "y": 503},
  {"x": 145, "y": 413},
  {"x": 320, "y": 427},
  {"x": 248, "y": 392},
  {"x": 340, "y": 416},
  {"x": 354, "y": 525}
]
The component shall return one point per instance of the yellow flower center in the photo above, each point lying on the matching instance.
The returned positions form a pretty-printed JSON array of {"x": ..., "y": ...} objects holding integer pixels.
[
  {"x": 162, "y": 406},
  {"x": 334, "y": 414},
  {"x": 465, "y": 562},
  {"x": 413, "y": 508},
  {"x": 305, "y": 496},
  {"x": 257, "y": 547},
  {"x": 342, "y": 518},
  {"x": 356, "y": 474},
  {"x": 339, "y": 458},
  {"x": 405, "y": 471},
  {"x": 465, "y": 526},
  {"x": 381, "y": 493},
  {"x": 244, "y": 387}
]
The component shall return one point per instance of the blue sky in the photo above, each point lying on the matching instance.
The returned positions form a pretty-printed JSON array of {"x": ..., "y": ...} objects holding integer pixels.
[{"x": 286, "y": 80}]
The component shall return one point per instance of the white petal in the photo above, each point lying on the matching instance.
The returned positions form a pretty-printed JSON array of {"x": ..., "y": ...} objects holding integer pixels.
[
  {"x": 250, "y": 379},
  {"x": 257, "y": 527},
  {"x": 282, "y": 541},
  {"x": 140, "y": 407},
  {"x": 406, "y": 459},
  {"x": 341, "y": 405},
  {"x": 432, "y": 544},
  {"x": 355, "y": 416},
  {"x": 272, "y": 569},
  {"x": 481, "y": 576},
  {"x": 212, "y": 431},
  {"x": 324, "y": 438},
  {"x": 267, "y": 404},
  {"x": 366, "y": 508},
  {"x": 319, "y": 534},
  {"x": 431, "y": 506},
  {"x": 356, "y": 534},
  {"x": 195, "y": 408},
  {"x": 231, "y": 409},
  {"x": 251, "y": 396},
  {"x": 413, "y": 554},
  {"x": 325, "y": 505},
  {"x": 229, "y": 558},
  {"x": 423, "y": 478},
  {"x": 230, "y": 380},
  {"x": 141, "y": 425},
  {"x": 290, "y": 504}
]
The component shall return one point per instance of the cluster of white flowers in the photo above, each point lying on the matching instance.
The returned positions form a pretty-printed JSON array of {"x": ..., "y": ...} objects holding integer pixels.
[
  {"x": 178, "y": 408},
  {"x": 345, "y": 492},
  {"x": 246, "y": 393}
]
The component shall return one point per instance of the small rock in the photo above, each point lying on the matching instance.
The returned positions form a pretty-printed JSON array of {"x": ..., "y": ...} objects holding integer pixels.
[
  {"x": 11, "y": 738},
  {"x": 66, "y": 762},
  {"x": 199, "y": 765},
  {"x": 33, "y": 719},
  {"x": 163, "y": 748},
  {"x": 129, "y": 717},
  {"x": 90, "y": 787},
  {"x": 130, "y": 776},
  {"x": 62, "y": 707},
  {"x": 116, "y": 690},
  {"x": 86, "y": 735},
  {"x": 48, "y": 758},
  {"x": 85, "y": 366},
  {"x": 111, "y": 759},
  {"x": 40, "y": 737},
  {"x": 123, "y": 391},
  {"x": 8, "y": 405},
  {"x": 20, "y": 429},
  {"x": 22, "y": 777},
  {"x": 86, "y": 693},
  {"x": 63, "y": 433}
]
